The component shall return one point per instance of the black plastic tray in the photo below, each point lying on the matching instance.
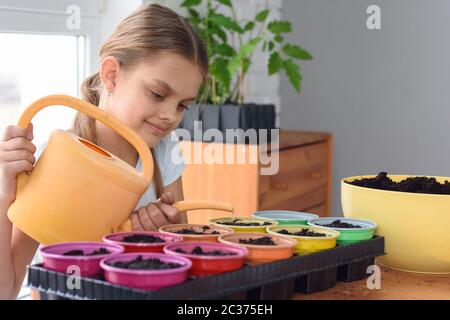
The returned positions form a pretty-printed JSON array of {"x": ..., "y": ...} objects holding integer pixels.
[{"x": 276, "y": 280}]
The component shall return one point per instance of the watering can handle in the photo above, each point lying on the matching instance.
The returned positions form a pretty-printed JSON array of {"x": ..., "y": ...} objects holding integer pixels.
[
  {"x": 186, "y": 205},
  {"x": 127, "y": 133}
]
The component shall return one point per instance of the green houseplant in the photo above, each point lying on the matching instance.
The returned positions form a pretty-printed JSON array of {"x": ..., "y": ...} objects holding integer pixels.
[{"x": 231, "y": 43}]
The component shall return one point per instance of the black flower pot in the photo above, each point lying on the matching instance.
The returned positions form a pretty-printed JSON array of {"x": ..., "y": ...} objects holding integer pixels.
[{"x": 229, "y": 116}]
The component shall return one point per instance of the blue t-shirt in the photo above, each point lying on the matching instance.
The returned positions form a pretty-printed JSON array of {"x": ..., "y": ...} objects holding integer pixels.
[{"x": 170, "y": 165}]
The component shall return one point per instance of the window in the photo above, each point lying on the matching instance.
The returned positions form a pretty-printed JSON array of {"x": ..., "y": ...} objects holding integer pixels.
[
  {"x": 33, "y": 66},
  {"x": 36, "y": 65},
  {"x": 41, "y": 55}
]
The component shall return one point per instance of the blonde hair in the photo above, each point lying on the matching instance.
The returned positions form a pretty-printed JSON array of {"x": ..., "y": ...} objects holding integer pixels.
[{"x": 145, "y": 32}]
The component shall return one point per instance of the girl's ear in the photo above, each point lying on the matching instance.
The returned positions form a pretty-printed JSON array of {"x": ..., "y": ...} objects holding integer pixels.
[{"x": 109, "y": 70}]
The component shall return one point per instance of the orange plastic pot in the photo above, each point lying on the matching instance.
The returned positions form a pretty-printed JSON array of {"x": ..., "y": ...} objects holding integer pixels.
[{"x": 257, "y": 254}]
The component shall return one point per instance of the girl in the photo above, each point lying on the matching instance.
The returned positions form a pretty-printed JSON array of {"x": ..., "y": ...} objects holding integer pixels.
[{"x": 152, "y": 68}]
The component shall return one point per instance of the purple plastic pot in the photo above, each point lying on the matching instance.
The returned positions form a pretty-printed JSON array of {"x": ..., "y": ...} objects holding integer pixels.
[
  {"x": 117, "y": 238},
  {"x": 88, "y": 265},
  {"x": 146, "y": 279}
]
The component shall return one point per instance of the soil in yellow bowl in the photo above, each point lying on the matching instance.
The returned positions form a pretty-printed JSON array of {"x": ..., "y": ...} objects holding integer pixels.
[
  {"x": 309, "y": 239},
  {"x": 244, "y": 224}
]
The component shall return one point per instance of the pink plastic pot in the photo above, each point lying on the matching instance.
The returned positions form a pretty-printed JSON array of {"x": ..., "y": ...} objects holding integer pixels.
[
  {"x": 117, "y": 238},
  {"x": 146, "y": 279},
  {"x": 204, "y": 265},
  {"x": 88, "y": 265}
]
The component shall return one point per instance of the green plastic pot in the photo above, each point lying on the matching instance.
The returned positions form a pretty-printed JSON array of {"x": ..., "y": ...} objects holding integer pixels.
[
  {"x": 349, "y": 235},
  {"x": 285, "y": 217}
]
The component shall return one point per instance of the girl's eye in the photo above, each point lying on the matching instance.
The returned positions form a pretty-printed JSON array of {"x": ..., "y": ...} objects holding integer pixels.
[
  {"x": 157, "y": 95},
  {"x": 184, "y": 106}
]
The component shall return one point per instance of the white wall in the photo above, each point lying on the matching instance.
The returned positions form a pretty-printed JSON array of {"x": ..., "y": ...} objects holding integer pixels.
[
  {"x": 384, "y": 94},
  {"x": 112, "y": 12}
]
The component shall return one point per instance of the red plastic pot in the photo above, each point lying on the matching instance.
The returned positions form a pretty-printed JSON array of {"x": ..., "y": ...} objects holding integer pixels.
[
  {"x": 146, "y": 279},
  {"x": 87, "y": 265},
  {"x": 117, "y": 238},
  {"x": 205, "y": 265}
]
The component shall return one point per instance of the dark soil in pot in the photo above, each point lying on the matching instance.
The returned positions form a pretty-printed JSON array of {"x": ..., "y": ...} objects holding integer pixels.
[
  {"x": 413, "y": 184},
  {"x": 82, "y": 253},
  {"x": 263, "y": 241},
  {"x": 199, "y": 251},
  {"x": 145, "y": 264},
  {"x": 240, "y": 223},
  {"x": 341, "y": 224},
  {"x": 205, "y": 230},
  {"x": 303, "y": 233},
  {"x": 142, "y": 238}
]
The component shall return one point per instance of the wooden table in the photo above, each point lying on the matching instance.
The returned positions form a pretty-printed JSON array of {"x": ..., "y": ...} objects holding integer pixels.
[{"x": 395, "y": 285}]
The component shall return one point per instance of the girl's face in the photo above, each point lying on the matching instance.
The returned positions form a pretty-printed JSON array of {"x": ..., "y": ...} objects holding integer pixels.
[{"x": 152, "y": 96}]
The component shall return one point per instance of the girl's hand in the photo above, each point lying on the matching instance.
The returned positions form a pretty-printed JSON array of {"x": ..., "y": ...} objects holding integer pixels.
[
  {"x": 16, "y": 156},
  {"x": 156, "y": 214}
]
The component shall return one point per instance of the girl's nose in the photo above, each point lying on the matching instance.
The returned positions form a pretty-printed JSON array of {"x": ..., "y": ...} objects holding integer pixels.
[{"x": 168, "y": 112}]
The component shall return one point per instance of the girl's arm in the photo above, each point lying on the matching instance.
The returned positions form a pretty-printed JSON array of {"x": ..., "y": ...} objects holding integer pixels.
[
  {"x": 16, "y": 252},
  {"x": 16, "y": 249}
]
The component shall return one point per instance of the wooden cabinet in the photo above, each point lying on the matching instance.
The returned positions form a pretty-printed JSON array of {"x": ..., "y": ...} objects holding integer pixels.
[{"x": 302, "y": 183}]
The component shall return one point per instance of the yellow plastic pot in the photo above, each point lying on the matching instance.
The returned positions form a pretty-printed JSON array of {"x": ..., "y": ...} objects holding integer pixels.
[
  {"x": 307, "y": 245},
  {"x": 416, "y": 226},
  {"x": 78, "y": 191},
  {"x": 261, "y": 228}
]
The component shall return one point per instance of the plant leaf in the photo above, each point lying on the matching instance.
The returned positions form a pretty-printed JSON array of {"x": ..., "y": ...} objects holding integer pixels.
[
  {"x": 271, "y": 45},
  {"x": 190, "y": 3},
  {"x": 219, "y": 33},
  {"x": 279, "y": 26},
  {"x": 220, "y": 71},
  {"x": 293, "y": 73},
  {"x": 224, "y": 49},
  {"x": 225, "y": 22},
  {"x": 247, "y": 63},
  {"x": 278, "y": 38},
  {"x": 262, "y": 15},
  {"x": 250, "y": 46},
  {"x": 226, "y": 3},
  {"x": 194, "y": 16},
  {"x": 193, "y": 13},
  {"x": 235, "y": 62},
  {"x": 296, "y": 52},
  {"x": 275, "y": 63},
  {"x": 249, "y": 26}
]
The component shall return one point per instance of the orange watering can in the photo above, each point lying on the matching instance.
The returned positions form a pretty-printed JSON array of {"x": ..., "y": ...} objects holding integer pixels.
[{"x": 78, "y": 191}]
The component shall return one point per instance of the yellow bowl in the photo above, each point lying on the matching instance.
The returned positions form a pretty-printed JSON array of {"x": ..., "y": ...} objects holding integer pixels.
[
  {"x": 416, "y": 226},
  {"x": 261, "y": 228},
  {"x": 307, "y": 245}
]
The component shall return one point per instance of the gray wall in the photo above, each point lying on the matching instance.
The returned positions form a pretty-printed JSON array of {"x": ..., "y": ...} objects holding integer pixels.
[{"x": 384, "y": 94}]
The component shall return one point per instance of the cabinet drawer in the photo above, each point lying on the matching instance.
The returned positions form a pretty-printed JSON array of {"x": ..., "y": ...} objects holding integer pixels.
[{"x": 301, "y": 181}]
